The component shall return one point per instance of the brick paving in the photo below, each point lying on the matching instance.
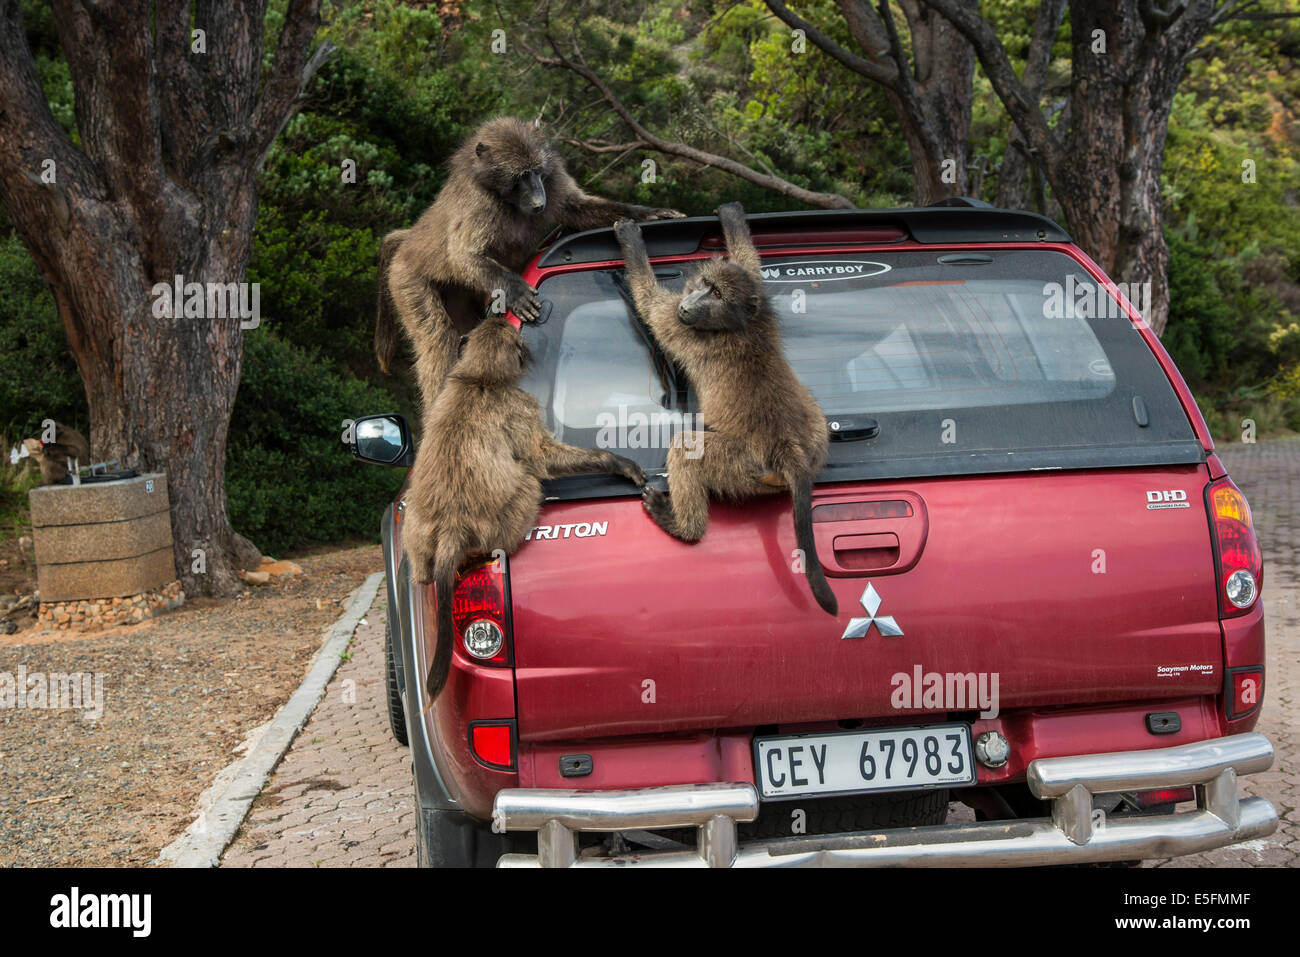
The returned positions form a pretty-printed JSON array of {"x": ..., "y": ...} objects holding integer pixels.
[
  {"x": 342, "y": 796},
  {"x": 1269, "y": 474}
]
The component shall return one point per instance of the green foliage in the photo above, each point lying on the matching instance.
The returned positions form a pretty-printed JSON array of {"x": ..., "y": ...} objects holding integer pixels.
[
  {"x": 405, "y": 87},
  {"x": 290, "y": 481},
  {"x": 1202, "y": 324},
  {"x": 38, "y": 377},
  {"x": 15, "y": 483}
]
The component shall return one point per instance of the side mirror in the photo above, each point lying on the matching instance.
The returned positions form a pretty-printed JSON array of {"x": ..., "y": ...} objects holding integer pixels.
[{"x": 382, "y": 440}]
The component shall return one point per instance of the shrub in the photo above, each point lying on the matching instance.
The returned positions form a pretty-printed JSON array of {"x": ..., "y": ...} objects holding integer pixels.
[
  {"x": 290, "y": 481},
  {"x": 38, "y": 377}
]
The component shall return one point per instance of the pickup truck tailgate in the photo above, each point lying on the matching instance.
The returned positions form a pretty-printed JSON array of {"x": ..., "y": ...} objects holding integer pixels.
[{"x": 1065, "y": 585}]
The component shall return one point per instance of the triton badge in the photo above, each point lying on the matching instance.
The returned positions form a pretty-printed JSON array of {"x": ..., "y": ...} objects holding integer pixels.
[{"x": 858, "y": 627}]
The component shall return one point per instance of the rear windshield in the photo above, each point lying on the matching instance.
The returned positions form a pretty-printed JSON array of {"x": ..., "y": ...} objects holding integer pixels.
[{"x": 968, "y": 361}]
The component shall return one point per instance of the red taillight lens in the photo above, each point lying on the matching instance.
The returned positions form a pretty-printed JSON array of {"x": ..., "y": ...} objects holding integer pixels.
[
  {"x": 1162, "y": 796},
  {"x": 1238, "y": 564},
  {"x": 493, "y": 744},
  {"x": 1245, "y": 690},
  {"x": 481, "y": 595}
]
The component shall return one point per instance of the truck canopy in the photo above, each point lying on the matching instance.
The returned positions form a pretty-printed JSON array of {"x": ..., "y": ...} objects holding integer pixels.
[{"x": 1000, "y": 515}]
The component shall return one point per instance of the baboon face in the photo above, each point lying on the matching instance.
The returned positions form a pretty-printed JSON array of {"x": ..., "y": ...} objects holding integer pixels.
[
  {"x": 720, "y": 297},
  {"x": 514, "y": 161},
  {"x": 494, "y": 351}
]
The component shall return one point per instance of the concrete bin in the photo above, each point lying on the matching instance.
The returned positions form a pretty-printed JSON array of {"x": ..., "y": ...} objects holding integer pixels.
[{"x": 102, "y": 540}]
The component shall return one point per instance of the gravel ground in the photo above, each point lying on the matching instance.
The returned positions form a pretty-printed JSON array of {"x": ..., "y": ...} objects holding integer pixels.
[{"x": 180, "y": 692}]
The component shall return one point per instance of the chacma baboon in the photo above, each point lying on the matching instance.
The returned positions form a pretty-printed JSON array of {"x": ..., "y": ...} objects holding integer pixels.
[
  {"x": 53, "y": 457},
  {"x": 507, "y": 189},
  {"x": 765, "y": 431},
  {"x": 476, "y": 486}
]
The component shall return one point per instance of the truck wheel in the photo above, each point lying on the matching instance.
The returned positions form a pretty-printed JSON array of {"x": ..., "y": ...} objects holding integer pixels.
[
  {"x": 396, "y": 715},
  {"x": 839, "y": 815},
  {"x": 454, "y": 839}
]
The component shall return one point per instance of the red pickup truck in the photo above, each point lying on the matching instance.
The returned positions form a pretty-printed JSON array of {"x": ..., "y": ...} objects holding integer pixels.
[{"x": 1048, "y": 584}]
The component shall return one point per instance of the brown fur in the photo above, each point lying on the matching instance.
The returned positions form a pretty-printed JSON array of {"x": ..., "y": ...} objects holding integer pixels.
[
  {"x": 53, "y": 457},
  {"x": 765, "y": 429},
  {"x": 506, "y": 191},
  {"x": 476, "y": 486}
]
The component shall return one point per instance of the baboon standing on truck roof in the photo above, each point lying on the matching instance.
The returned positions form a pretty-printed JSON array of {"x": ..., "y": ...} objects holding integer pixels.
[{"x": 506, "y": 191}]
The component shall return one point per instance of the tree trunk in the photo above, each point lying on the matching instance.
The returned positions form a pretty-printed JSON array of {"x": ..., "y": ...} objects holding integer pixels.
[
  {"x": 930, "y": 94},
  {"x": 1127, "y": 60},
  {"x": 944, "y": 74},
  {"x": 162, "y": 185}
]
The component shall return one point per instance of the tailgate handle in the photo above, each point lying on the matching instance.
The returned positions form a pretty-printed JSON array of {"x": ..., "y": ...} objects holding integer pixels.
[
  {"x": 866, "y": 551},
  {"x": 877, "y": 533}
]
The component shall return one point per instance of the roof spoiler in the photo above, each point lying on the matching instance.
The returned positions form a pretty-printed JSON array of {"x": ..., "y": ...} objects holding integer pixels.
[{"x": 954, "y": 220}]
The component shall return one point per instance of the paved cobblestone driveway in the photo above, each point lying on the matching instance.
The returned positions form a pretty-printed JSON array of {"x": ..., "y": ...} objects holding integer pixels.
[{"x": 342, "y": 795}]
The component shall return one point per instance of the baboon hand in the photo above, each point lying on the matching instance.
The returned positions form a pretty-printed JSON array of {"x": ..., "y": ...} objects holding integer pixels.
[
  {"x": 665, "y": 214},
  {"x": 523, "y": 301},
  {"x": 626, "y": 231},
  {"x": 733, "y": 211},
  {"x": 631, "y": 471}
]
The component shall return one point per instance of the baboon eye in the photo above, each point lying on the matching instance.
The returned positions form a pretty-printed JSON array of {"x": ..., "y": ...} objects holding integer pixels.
[{"x": 715, "y": 293}]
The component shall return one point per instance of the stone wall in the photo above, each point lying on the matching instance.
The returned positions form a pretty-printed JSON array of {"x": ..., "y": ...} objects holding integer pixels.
[
  {"x": 94, "y": 614},
  {"x": 102, "y": 540}
]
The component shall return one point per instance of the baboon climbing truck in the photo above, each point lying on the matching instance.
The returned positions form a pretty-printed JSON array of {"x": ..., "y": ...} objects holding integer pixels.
[{"x": 1050, "y": 645}]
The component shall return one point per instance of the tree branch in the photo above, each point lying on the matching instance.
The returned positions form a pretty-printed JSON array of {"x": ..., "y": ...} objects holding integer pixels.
[
  {"x": 118, "y": 121},
  {"x": 186, "y": 126},
  {"x": 1155, "y": 17},
  {"x": 604, "y": 146},
  {"x": 774, "y": 183},
  {"x": 1046, "y": 25},
  {"x": 880, "y": 73},
  {"x": 290, "y": 74},
  {"x": 1019, "y": 102}
]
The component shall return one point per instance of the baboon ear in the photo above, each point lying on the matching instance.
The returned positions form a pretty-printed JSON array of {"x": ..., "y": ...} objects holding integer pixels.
[
  {"x": 460, "y": 346},
  {"x": 753, "y": 302},
  {"x": 480, "y": 149}
]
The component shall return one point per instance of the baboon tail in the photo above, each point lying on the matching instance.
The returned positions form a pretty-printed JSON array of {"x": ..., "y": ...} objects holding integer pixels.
[
  {"x": 386, "y": 335},
  {"x": 444, "y": 584},
  {"x": 801, "y": 499}
]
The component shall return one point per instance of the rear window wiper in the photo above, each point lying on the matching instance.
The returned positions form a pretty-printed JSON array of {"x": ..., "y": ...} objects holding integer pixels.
[{"x": 670, "y": 377}]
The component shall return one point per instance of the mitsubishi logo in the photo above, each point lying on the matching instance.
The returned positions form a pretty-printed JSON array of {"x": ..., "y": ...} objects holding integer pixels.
[{"x": 858, "y": 627}]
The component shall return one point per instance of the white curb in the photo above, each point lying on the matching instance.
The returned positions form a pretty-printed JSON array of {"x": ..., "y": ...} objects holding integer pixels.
[{"x": 222, "y": 807}]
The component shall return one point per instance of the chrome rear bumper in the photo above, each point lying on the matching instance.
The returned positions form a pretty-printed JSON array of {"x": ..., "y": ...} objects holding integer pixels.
[{"x": 1069, "y": 836}]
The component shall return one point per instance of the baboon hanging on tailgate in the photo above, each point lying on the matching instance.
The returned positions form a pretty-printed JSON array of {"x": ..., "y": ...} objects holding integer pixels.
[
  {"x": 506, "y": 192},
  {"x": 476, "y": 486},
  {"x": 765, "y": 431}
]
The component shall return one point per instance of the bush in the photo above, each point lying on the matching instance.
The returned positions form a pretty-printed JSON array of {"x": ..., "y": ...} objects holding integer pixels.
[
  {"x": 1202, "y": 325},
  {"x": 290, "y": 481},
  {"x": 38, "y": 377}
]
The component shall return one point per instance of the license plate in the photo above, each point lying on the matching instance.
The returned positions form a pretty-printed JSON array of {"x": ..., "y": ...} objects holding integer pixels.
[{"x": 851, "y": 762}]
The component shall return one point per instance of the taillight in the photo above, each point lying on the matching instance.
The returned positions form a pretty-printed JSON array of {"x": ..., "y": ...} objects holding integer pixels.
[
  {"x": 1238, "y": 565},
  {"x": 492, "y": 743},
  {"x": 1244, "y": 691},
  {"x": 1161, "y": 797},
  {"x": 478, "y": 614}
]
